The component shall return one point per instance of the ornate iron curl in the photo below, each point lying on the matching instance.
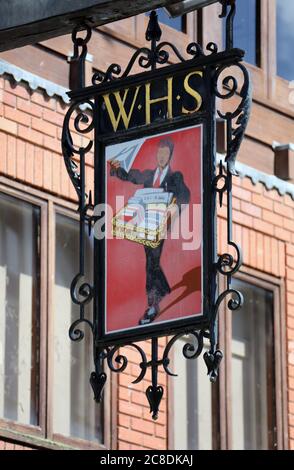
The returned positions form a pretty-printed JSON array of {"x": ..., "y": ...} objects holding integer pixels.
[
  {"x": 226, "y": 264},
  {"x": 241, "y": 114},
  {"x": 155, "y": 55},
  {"x": 81, "y": 290}
]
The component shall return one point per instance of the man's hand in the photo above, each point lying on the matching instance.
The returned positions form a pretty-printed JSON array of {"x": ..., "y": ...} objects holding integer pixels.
[{"x": 115, "y": 164}]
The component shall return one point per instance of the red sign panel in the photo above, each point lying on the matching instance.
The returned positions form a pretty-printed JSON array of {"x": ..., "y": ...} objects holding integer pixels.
[{"x": 153, "y": 250}]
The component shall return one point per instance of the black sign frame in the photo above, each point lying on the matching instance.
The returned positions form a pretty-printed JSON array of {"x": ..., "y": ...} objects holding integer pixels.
[{"x": 88, "y": 103}]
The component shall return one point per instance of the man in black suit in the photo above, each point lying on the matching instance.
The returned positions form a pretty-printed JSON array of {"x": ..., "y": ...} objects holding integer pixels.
[{"x": 162, "y": 176}]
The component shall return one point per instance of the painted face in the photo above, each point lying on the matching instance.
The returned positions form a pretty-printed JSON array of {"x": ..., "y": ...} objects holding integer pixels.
[{"x": 163, "y": 156}]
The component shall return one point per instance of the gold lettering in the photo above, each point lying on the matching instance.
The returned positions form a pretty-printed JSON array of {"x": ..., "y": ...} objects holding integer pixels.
[
  {"x": 121, "y": 106},
  {"x": 193, "y": 93},
  {"x": 168, "y": 97}
]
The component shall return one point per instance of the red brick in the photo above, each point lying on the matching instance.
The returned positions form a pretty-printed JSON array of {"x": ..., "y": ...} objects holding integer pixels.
[
  {"x": 290, "y": 286},
  {"x": 245, "y": 245},
  {"x": 51, "y": 144},
  {"x": 17, "y": 116},
  {"x": 47, "y": 170},
  {"x": 263, "y": 226},
  {"x": 153, "y": 442},
  {"x": 283, "y": 210},
  {"x": 270, "y": 217},
  {"x": 124, "y": 393},
  {"x": 289, "y": 224},
  {"x": 275, "y": 257},
  {"x": 124, "y": 420},
  {"x": 130, "y": 408},
  {"x": 242, "y": 194},
  {"x": 3, "y": 146},
  {"x": 161, "y": 431},
  {"x": 56, "y": 162},
  {"x": 9, "y": 99},
  {"x": 19, "y": 89},
  {"x": 273, "y": 194},
  {"x": 259, "y": 251},
  {"x": 288, "y": 200},
  {"x": 236, "y": 204},
  {"x": 61, "y": 107},
  {"x": 29, "y": 163},
  {"x": 41, "y": 99},
  {"x": 291, "y": 433},
  {"x": 11, "y": 156},
  {"x": 251, "y": 209},
  {"x": 29, "y": 107},
  {"x": 147, "y": 427},
  {"x": 139, "y": 398},
  {"x": 253, "y": 188},
  {"x": 30, "y": 135},
  {"x": 53, "y": 117},
  {"x": 20, "y": 159},
  {"x": 38, "y": 167},
  {"x": 242, "y": 219},
  {"x": 290, "y": 273},
  {"x": 262, "y": 201},
  {"x": 124, "y": 445},
  {"x": 282, "y": 234},
  {"x": 290, "y": 298},
  {"x": 267, "y": 257},
  {"x": 291, "y": 408},
  {"x": 290, "y": 249},
  {"x": 8, "y": 126},
  {"x": 127, "y": 435},
  {"x": 44, "y": 127},
  {"x": 282, "y": 259},
  {"x": 9, "y": 446}
]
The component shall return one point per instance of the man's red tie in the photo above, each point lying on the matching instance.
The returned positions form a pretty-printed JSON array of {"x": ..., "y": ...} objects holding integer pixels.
[{"x": 157, "y": 183}]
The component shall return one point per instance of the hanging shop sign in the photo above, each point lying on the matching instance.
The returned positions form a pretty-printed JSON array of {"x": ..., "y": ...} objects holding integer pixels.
[{"x": 151, "y": 137}]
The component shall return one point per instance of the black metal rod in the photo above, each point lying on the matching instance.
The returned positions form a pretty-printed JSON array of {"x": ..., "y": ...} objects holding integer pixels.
[{"x": 154, "y": 358}]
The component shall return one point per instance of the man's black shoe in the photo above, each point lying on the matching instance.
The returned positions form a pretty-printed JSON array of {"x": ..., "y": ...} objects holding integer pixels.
[{"x": 149, "y": 315}]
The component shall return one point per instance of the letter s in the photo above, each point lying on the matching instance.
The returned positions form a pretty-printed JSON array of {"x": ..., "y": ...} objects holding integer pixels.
[{"x": 193, "y": 93}]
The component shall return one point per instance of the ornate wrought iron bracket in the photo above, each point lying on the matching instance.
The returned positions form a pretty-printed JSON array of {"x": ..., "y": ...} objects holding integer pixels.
[{"x": 225, "y": 87}]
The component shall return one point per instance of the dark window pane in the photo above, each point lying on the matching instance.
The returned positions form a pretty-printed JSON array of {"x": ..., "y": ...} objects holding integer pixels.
[
  {"x": 75, "y": 412},
  {"x": 178, "y": 23},
  {"x": 19, "y": 311},
  {"x": 245, "y": 29},
  {"x": 285, "y": 39},
  {"x": 252, "y": 384}
]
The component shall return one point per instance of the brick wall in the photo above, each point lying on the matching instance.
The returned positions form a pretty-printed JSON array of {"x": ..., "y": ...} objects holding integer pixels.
[{"x": 30, "y": 131}]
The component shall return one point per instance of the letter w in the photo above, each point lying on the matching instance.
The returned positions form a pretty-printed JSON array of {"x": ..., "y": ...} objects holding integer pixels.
[{"x": 122, "y": 114}]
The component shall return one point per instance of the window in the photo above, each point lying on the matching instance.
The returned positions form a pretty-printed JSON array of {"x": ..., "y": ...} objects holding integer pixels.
[
  {"x": 247, "y": 29},
  {"x": 178, "y": 23},
  {"x": 19, "y": 311},
  {"x": 241, "y": 411},
  {"x": 285, "y": 38},
  {"x": 75, "y": 412},
  {"x": 44, "y": 394},
  {"x": 193, "y": 400},
  {"x": 252, "y": 370}
]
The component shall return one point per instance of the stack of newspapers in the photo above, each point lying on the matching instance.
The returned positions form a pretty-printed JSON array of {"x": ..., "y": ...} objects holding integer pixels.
[{"x": 145, "y": 217}]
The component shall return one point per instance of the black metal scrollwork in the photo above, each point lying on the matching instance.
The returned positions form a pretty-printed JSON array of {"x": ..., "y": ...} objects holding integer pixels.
[{"x": 225, "y": 87}]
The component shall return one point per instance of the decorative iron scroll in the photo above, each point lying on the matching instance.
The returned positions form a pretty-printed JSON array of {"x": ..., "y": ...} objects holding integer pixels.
[{"x": 225, "y": 87}]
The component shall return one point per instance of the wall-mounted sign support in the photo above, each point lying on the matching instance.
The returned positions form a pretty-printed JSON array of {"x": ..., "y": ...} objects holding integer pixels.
[{"x": 151, "y": 139}]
